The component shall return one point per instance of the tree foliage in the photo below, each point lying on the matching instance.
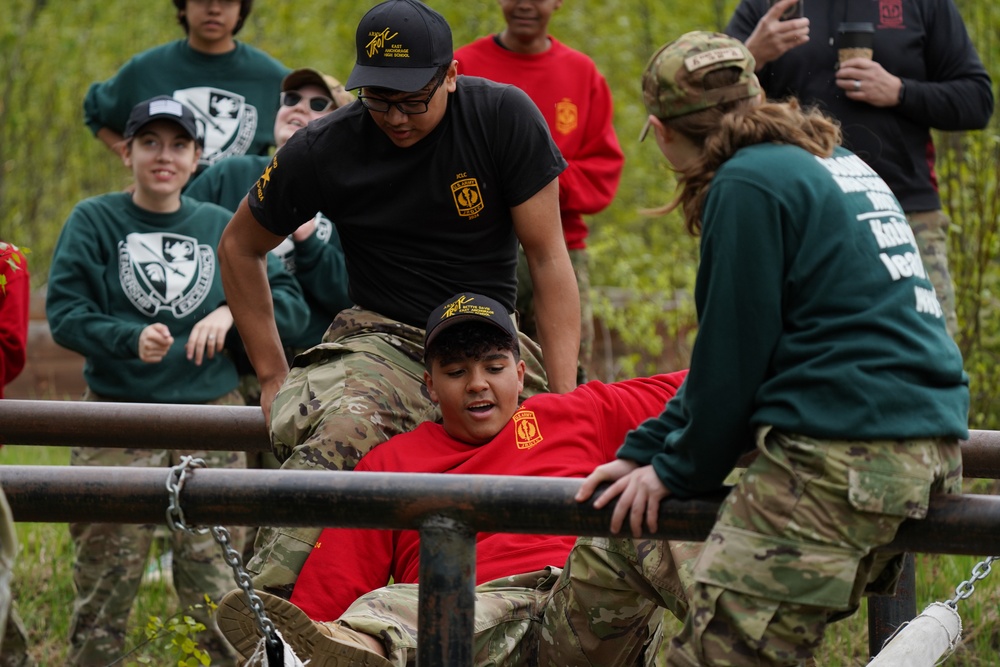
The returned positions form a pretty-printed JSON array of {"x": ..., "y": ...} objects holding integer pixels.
[{"x": 642, "y": 268}]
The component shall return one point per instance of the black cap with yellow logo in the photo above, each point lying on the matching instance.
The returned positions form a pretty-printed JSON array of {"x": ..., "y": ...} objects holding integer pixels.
[
  {"x": 401, "y": 44},
  {"x": 466, "y": 307}
]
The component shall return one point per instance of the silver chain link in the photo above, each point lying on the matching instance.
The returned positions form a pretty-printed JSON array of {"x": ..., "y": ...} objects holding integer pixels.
[
  {"x": 175, "y": 519},
  {"x": 965, "y": 589}
]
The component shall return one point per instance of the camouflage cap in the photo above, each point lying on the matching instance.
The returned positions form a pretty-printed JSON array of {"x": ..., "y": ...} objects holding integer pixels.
[{"x": 672, "y": 84}]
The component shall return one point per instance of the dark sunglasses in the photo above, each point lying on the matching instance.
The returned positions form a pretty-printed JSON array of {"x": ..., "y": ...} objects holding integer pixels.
[{"x": 319, "y": 103}]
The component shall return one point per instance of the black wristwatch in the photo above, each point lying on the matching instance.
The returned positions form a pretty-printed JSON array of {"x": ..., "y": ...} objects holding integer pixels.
[{"x": 902, "y": 92}]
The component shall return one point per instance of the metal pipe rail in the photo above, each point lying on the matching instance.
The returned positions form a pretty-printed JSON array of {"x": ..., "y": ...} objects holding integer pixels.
[
  {"x": 241, "y": 428},
  {"x": 448, "y": 510},
  {"x": 147, "y": 425}
]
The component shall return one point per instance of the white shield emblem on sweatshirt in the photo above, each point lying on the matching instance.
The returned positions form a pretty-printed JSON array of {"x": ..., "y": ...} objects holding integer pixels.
[
  {"x": 163, "y": 271},
  {"x": 228, "y": 124}
]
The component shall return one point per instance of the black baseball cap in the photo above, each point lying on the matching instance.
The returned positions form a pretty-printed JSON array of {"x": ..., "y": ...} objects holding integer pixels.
[
  {"x": 401, "y": 44},
  {"x": 162, "y": 107},
  {"x": 468, "y": 307}
]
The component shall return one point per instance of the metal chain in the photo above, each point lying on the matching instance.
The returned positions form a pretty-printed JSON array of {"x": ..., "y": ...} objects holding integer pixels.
[
  {"x": 965, "y": 589},
  {"x": 175, "y": 519}
]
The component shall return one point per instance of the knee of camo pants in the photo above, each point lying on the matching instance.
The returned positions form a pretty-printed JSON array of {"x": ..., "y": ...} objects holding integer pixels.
[
  {"x": 599, "y": 611},
  {"x": 337, "y": 404},
  {"x": 790, "y": 549},
  {"x": 505, "y": 624},
  {"x": 389, "y": 614},
  {"x": 931, "y": 231}
]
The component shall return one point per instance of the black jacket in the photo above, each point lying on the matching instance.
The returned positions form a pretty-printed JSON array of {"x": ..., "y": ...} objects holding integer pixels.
[{"x": 925, "y": 43}]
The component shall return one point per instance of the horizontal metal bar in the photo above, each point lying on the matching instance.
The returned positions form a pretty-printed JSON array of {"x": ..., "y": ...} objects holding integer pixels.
[
  {"x": 127, "y": 425},
  {"x": 967, "y": 524},
  {"x": 241, "y": 428}
]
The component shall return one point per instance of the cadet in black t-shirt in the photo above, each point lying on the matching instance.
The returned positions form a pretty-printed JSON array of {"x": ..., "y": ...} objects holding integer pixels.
[{"x": 432, "y": 180}]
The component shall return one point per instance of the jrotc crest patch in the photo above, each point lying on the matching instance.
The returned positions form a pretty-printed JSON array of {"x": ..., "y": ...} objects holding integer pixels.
[
  {"x": 526, "y": 431},
  {"x": 567, "y": 116},
  {"x": 170, "y": 272},
  {"x": 468, "y": 199}
]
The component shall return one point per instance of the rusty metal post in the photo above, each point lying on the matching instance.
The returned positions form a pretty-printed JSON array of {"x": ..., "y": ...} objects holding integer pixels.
[
  {"x": 885, "y": 613},
  {"x": 446, "y": 618}
]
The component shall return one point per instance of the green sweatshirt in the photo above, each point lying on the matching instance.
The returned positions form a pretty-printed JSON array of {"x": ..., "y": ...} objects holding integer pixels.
[
  {"x": 815, "y": 316},
  {"x": 233, "y": 95},
  {"x": 118, "y": 268}
]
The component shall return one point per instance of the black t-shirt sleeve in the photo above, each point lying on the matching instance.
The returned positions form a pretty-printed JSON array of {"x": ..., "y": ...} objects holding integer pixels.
[{"x": 287, "y": 193}]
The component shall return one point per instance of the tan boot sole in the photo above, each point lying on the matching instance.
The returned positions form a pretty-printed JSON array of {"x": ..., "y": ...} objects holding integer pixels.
[{"x": 238, "y": 623}]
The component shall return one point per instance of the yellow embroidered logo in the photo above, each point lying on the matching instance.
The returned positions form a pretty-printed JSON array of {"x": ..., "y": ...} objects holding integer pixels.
[
  {"x": 378, "y": 40},
  {"x": 526, "y": 431},
  {"x": 463, "y": 305},
  {"x": 468, "y": 200},
  {"x": 265, "y": 178},
  {"x": 567, "y": 116}
]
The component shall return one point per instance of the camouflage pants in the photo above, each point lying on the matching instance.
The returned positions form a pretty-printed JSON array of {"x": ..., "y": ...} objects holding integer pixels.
[
  {"x": 526, "y": 305},
  {"x": 931, "y": 231},
  {"x": 598, "y": 610},
  {"x": 793, "y": 547},
  {"x": 111, "y": 559},
  {"x": 342, "y": 398}
]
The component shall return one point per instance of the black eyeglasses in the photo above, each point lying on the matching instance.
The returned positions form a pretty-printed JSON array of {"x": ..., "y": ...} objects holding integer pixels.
[
  {"x": 318, "y": 103},
  {"x": 409, "y": 107}
]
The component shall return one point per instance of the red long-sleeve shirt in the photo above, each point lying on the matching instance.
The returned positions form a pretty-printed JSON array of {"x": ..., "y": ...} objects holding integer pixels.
[
  {"x": 576, "y": 102},
  {"x": 550, "y": 435},
  {"x": 15, "y": 289}
]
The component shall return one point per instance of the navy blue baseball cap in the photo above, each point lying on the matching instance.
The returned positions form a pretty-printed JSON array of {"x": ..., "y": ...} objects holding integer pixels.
[
  {"x": 468, "y": 307},
  {"x": 401, "y": 44},
  {"x": 162, "y": 107}
]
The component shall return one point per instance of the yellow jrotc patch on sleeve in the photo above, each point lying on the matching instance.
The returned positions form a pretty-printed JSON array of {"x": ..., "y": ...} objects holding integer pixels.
[
  {"x": 265, "y": 178},
  {"x": 468, "y": 199},
  {"x": 526, "y": 431},
  {"x": 567, "y": 116}
]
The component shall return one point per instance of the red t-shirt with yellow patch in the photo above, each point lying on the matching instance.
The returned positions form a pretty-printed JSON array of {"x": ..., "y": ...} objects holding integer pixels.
[{"x": 550, "y": 435}]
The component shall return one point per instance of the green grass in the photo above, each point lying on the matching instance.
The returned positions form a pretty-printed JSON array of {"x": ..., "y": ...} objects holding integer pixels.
[
  {"x": 43, "y": 583},
  {"x": 43, "y": 589}
]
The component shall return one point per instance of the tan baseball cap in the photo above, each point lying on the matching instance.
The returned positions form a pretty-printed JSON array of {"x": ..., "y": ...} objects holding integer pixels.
[
  {"x": 305, "y": 77},
  {"x": 673, "y": 82}
]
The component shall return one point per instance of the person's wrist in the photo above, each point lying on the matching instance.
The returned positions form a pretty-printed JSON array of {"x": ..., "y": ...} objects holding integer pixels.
[{"x": 902, "y": 92}]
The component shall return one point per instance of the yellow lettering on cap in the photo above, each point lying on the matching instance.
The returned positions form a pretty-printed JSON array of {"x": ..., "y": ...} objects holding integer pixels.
[
  {"x": 378, "y": 40},
  {"x": 700, "y": 60}
]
